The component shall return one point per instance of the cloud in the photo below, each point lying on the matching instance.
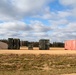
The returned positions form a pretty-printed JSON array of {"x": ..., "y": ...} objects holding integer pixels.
[
  {"x": 62, "y": 21},
  {"x": 54, "y": 15},
  {"x": 59, "y": 22},
  {"x": 27, "y": 5},
  {"x": 18, "y": 9},
  {"x": 38, "y": 26},
  {"x": 68, "y": 3},
  {"x": 7, "y": 11},
  {"x": 37, "y": 30},
  {"x": 61, "y": 26},
  {"x": 22, "y": 30},
  {"x": 15, "y": 26},
  {"x": 71, "y": 4},
  {"x": 65, "y": 33}
]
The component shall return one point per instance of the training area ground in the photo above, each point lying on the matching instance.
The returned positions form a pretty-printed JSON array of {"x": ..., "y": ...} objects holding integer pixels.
[
  {"x": 24, "y": 50},
  {"x": 28, "y": 62}
]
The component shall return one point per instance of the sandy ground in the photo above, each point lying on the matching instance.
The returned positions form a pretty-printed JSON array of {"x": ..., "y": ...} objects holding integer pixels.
[
  {"x": 69, "y": 74},
  {"x": 24, "y": 50}
]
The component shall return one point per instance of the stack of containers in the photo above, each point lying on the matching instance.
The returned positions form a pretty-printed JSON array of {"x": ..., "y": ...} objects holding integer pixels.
[
  {"x": 13, "y": 43},
  {"x": 44, "y": 44}
]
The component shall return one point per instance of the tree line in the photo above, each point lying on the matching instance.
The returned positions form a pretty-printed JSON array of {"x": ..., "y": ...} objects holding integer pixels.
[{"x": 36, "y": 44}]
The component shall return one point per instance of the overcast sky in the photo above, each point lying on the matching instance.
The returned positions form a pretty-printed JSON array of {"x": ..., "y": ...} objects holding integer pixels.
[{"x": 38, "y": 19}]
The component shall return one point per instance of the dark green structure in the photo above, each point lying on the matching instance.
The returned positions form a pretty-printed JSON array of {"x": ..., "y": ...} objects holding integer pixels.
[
  {"x": 44, "y": 44},
  {"x": 13, "y": 43},
  {"x": 10, "y": 43},
  {"x": 30, "y": 46},
  {"x": 16, "y": 44}
]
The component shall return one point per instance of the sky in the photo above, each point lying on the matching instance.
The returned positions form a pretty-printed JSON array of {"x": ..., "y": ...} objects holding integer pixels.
[{"x": 33, "y": 20}]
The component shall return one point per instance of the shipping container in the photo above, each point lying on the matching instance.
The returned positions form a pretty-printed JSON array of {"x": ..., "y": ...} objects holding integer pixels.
[
  {"x": 13, "y": 43},
  {"x": 16, "y": 44},
  {"x": 44, "y": 44},
  {"x": 70, "y": 45},
  {"x": 30, "y": 46},
  {"x": 10, "y": 43}
]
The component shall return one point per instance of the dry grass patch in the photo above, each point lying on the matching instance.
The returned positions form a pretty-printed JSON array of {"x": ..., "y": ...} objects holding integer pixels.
[{"x": 42, "y": 64}]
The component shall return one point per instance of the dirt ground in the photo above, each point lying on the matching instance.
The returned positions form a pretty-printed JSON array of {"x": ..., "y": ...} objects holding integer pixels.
[
  {"x": 69, "y": 74},
  {"x": 24, "y": 50}
]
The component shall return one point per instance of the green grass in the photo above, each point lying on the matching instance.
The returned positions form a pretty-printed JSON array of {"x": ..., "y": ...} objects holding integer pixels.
[{"x": 43, "y": 64}]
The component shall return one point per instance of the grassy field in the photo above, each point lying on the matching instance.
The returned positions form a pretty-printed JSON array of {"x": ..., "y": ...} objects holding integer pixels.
[{"x": 42, "y": 64}]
